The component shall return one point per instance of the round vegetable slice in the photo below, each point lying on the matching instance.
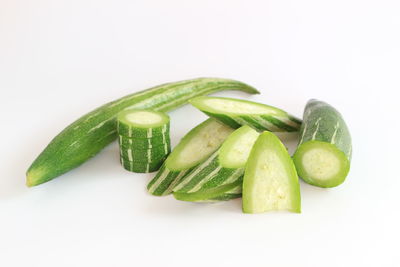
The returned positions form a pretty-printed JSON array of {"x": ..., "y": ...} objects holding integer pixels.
[{"x": 142, "y": 124}]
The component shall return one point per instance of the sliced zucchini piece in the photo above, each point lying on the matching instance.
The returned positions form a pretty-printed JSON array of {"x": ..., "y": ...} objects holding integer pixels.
[
  {"x": 237, "y": 112},
  {"x": 225, "y": 166},
  {"x": 195, "y": 147},
  {"x": 270, "y": 181}
]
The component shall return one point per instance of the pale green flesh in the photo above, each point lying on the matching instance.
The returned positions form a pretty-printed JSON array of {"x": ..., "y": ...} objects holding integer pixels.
[
  {"x": 204, "y": 139},
  {"x": 235, "y": 150},
  {"x": 234, "y": 106},
  {"x": 224, "y": 166},
  {"x": 143, "y": 118},
  {"x": 198, "y": 146},
  {"x": 321, "y": 164},
  {"x": 270, "y": 181},
  {"x": 325, "y": 148}
]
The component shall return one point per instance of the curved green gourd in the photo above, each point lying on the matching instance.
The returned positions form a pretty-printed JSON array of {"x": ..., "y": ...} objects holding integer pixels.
[{"x": 88, "y": 135}]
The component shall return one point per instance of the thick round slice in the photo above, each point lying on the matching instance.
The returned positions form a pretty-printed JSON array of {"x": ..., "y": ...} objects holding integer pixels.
[
  {"x": 141, "y": 167},
  {"x": 270, "y": 180},
  {"x": 145, "y": 143},
  {"x": 237, "y": 112},
  {"x": 142, "y": 123},
  {"x": 225, "y": 166},
  {"x": 324, "y": 152},
  {"x": 195, "y": 147}
]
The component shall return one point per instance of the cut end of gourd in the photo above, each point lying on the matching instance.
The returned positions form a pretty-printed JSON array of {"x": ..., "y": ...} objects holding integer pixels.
[
  {"x": 143, "y": 118},
  {"x": 321, "y": 164}
]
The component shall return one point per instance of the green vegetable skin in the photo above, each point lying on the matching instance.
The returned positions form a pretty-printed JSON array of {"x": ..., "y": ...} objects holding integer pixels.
[
  {"x": 324, "y": 152},
  {"x": 196, "y": 146},
  {"x": 237, "y": 112},
  {"x": 139, "y": 124},
  {"x": 270, "y": 181},
  {"x": 88, "y": 135},
  {"x": 220, "y": 193},
  {"x": 223, "y": 168}
]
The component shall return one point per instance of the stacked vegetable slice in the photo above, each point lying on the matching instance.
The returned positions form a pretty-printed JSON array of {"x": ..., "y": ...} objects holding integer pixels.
[{"x": 143, "y": 139}]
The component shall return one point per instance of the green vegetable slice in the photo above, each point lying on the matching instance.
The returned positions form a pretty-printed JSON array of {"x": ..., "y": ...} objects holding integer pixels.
[
  {"x": 237, "y": 112},
  {"x": 195, "y": 147},
  {"x": 225, "y": 166},
  {"x": 270, "y": 181}
]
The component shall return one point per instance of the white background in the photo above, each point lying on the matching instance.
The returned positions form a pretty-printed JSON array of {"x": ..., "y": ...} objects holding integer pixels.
[{"x": 60, "y": 59}]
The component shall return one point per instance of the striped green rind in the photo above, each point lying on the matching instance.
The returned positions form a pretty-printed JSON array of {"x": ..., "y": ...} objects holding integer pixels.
[
  {"x": 165, "y": 180},
  {"x": 148, "y": 155},
  {"x": 145, "y": 143},
  {"x": 129, "y": 129},
  {"x": 270, "y": 182},
  {"x": 208, "y": 175},
  {"x": 211, "y": 195},
  {"x": 141, "y": 167},
  {"x": 325, "y": 145},
  {"x": 233, "y": 193},
  {"x": 262, "y": 118},
  {"x": 324, "y": 123},
  {"x": 225, "y": 166},
  {"x": 85, "y": 137},
  {"x": 197, "y": 145}
]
